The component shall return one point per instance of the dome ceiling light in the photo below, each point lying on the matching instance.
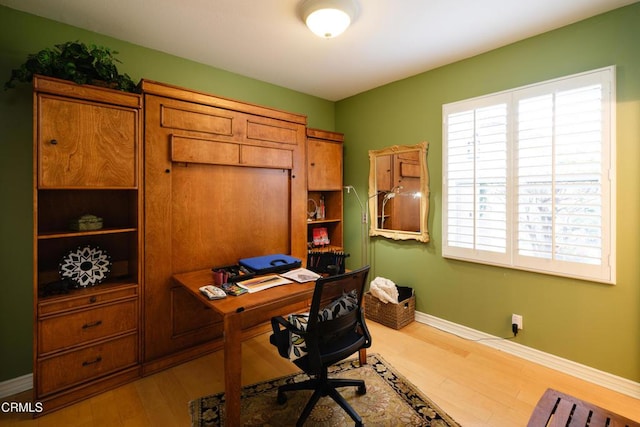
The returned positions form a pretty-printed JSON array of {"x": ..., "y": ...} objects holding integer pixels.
[{"x": 328, "y": 18}]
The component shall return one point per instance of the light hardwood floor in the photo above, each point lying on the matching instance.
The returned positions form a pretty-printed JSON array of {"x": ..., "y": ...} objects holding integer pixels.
[{"x": 475, "y": 384}]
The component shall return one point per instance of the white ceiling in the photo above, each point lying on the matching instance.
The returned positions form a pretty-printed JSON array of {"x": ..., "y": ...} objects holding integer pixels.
[{"x": 267, "y": 40}]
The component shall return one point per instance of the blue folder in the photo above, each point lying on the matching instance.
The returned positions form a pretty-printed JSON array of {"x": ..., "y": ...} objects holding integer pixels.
[{"x": 275, "y": 263}]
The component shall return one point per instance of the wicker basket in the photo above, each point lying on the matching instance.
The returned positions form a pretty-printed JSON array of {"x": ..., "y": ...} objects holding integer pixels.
[{"x": 394, "y": 316}]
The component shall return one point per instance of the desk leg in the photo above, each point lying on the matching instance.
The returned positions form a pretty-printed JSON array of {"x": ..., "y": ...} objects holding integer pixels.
[
  {"x": 363, "y": 356},
  {"x": 232, "y": 368}
]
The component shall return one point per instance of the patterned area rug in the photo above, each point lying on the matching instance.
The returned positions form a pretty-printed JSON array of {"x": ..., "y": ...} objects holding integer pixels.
[{"x": 390, "y": 400}]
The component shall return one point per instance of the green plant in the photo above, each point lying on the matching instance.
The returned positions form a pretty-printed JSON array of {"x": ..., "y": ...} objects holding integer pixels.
[{"x": 75, "y": 61}]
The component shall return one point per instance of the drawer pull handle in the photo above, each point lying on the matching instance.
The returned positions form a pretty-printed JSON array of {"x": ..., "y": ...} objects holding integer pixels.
[
  {"x": 92, "y": 325},
  {"x": 92, "y": 362}
]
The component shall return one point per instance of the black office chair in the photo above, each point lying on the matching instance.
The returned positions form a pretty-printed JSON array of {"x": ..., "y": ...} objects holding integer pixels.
[{"x": 335, "y": 329}]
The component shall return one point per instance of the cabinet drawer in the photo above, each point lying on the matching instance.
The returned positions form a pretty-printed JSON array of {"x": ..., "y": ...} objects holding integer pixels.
[
  {"x": 60, "y": 332},
  {"x": 56, "y": 373},
  {"x": 88, "y": 297}
]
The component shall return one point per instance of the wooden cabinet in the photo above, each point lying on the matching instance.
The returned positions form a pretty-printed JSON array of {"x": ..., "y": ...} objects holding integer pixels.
[
  {"x": 324, "y": 186},
  {"x": 86, "y": 161},
  {"x": 223, "y": 180}
]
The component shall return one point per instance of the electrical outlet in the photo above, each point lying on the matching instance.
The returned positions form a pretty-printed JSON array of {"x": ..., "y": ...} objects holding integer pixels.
[{"x": 517, "y": 320}]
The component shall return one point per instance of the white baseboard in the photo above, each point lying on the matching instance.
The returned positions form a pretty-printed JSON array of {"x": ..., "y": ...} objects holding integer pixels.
[
  {"x": 16, "y": 385},
  {"x": 601, "y": 378}
]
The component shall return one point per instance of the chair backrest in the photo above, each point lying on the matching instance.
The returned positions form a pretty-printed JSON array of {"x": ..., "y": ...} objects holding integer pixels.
[
  {"x": 558, "y": 409},
  {"x": 336, "y": 311}
]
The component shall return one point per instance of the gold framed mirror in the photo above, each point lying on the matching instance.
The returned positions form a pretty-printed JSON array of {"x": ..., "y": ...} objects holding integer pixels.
[{"x": 399, "y": 192}]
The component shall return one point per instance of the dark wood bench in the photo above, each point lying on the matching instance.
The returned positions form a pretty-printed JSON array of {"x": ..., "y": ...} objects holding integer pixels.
[{"x": 555, "y": 409}]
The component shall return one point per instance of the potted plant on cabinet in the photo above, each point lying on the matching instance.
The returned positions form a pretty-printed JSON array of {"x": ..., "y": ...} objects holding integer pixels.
[{"x": 74, "y": 61}]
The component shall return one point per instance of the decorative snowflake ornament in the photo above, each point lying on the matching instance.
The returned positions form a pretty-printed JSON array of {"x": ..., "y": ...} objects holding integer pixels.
[{"x": 85, "y": 266}]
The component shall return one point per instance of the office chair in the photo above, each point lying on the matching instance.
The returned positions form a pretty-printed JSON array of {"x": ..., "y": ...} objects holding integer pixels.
[{"x": 333, "y": 330}]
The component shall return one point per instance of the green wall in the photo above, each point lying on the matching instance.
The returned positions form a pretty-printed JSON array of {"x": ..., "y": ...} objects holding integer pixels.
[
  {"x": 594, "y": 324},
  {"x": 21, "y": 34},
  {"x": 597, "y": 325}
]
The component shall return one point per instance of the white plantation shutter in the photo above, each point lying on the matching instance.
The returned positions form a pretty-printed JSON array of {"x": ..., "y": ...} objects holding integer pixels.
[
  {"x": 535, "y": 177},
  {"x": 460, "y": 180},
  {"x": 528, "y": 180},
  {"x": 477, "y": 179},
  {"x": 491, "y": 178}
]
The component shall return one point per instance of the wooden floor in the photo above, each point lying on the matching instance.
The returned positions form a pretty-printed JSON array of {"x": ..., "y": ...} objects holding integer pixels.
[{"x": 476, "y": 385}]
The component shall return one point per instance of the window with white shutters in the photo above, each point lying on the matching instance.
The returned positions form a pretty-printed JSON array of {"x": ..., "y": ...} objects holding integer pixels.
[{"x": 528, "y": 177}]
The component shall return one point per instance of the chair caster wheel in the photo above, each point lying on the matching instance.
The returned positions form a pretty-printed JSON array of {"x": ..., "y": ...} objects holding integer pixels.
[
  {"x": 362, "y": 390},
  {"x": 282, "y": 398}
]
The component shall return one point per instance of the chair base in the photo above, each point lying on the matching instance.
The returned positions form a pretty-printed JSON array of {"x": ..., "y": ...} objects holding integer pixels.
[{"x": 324, "y": 387}]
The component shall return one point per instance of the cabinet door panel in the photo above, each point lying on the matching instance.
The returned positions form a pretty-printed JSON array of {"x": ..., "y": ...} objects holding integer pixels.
[
  {"x": 272, "y": 130},
  {"x": 193, "y": 150},
  {"x": 86, "y": 145},
  {"x": 266, "y": 157},
  {"x": 197, "y": 118},
  {"x": 324, "y": 165},
  {"x": 410, "y": 170},
  {"x": 384, "y": 172}
]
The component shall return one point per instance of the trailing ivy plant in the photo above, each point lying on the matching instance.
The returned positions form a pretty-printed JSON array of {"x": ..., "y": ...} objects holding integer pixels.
[{"x": 75, "y": 61}]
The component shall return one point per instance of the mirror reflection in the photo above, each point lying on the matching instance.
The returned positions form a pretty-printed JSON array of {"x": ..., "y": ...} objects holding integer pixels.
[{"x": 398, "y": 192}]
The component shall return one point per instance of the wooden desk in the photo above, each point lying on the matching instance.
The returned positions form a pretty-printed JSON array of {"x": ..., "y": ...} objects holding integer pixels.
[{"x": 241, "y": 313}]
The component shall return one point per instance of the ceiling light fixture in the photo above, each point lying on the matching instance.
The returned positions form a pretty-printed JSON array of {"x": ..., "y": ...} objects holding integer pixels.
[{"x": 328, "y": 18}]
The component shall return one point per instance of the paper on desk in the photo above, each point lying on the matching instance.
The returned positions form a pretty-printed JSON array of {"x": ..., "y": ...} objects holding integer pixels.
[
  {"x": 263, "y": 282},
  {"x": 301, "y": 275}
]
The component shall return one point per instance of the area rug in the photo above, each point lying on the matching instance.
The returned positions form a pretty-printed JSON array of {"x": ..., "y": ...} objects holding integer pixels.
[{"x": 390, "y": 400}]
